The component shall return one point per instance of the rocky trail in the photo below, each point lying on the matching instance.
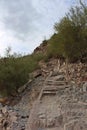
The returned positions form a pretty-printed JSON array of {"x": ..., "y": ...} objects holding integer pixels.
[
  {"x": 50, "y": 101},
  {"x": 60, "y": 106}
]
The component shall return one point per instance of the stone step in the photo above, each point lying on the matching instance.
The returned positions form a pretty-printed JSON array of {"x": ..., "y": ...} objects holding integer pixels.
[
  {"x": 59, "y": 81},
  {"x": 52, "y": 82},
  {"x": 49, "y": 92},
  {"x": 49, "y": 88},
  {"x": 52, "y": 90}
]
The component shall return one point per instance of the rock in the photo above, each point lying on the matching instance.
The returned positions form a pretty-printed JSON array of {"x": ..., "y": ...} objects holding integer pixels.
[
  {"x": 54, "y": 73},
  {"x": 1, "y": 128},
  {"x": 42, "y": 115},
  {"x": 5, "y": 124},
  {"x": 13, "y": 117},
  {"x": 50, "y": 122},
  {"x": 3, "y": 100},
  {"x": 76, "y": 125},
  {"x": 35, "y": 74},
  {"x": 4, "y": 109},
  {"x": 24, "y": 87},
  {"x": 70, "y": 125},
  {"x": 59, "y": 77},
  {"x": 85, "y": 87},
  {"x": 42, "y": 123},
  {"x": 21, "y": 89},
  {"x": 1, "y": 106}
]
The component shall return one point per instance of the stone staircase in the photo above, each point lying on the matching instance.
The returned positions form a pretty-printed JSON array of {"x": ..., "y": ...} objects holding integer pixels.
[
  {"x": 52, "y": 87},
  {"x": 60, "y": 106},
  {"x": 43, "y": 115}
]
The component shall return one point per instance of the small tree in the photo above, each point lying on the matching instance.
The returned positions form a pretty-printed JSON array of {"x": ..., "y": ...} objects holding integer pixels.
[
  {"x": 8, "y": 52},
  {"x": 72, "y": 33}
]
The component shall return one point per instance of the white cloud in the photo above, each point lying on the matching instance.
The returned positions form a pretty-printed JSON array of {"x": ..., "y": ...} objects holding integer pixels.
[{"x": 24, "y": 23}]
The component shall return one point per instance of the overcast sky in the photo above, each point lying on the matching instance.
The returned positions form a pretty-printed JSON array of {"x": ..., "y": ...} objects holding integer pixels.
[{"x": 25, "y": 23}]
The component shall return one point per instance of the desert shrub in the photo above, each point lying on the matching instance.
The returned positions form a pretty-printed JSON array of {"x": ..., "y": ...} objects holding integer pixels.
[
  {"x": 14, "y": 72},
  {"x": 70, "y": 39}
]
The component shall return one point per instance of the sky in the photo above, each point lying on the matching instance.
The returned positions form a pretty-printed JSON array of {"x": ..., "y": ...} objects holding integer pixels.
[{"x": 24, "y": 24}]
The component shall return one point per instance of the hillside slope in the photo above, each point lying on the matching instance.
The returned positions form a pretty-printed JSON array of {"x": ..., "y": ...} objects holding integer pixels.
[
  {"x": 61, "y": 104},
  {"x": 57, "y": 100}
]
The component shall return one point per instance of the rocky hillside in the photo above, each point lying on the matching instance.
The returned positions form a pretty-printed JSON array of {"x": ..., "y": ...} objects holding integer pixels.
[
  {"x": 42, "y": 48},
  {"x": 55, "y": 95},
  {"x": 55, "y": 99},
  {"x": 62, "y": 102}
]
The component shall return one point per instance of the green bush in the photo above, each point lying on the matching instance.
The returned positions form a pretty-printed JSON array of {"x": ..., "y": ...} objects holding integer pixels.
[
  {"x": 14, "y": 72},
  {"x": 70, "y": 40}
]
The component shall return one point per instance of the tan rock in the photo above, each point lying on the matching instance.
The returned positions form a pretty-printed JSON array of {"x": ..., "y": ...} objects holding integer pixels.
[{"x": 3, "y": 100}]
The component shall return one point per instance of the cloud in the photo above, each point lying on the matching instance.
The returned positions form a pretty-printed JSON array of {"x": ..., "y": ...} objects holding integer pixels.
[
  {"x": 24, "y": 23},
  {"x": 23, "y": 17},
  {"x": 19, "y": 16}
]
